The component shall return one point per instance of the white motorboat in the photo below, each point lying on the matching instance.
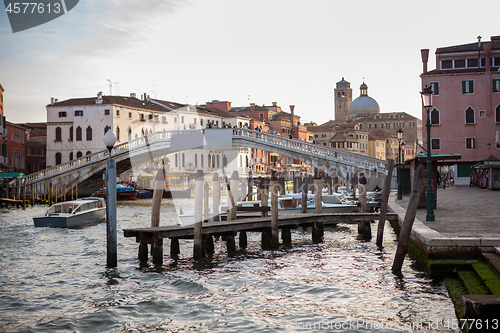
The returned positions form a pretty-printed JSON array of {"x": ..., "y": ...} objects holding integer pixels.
[{"x": 72, "y": 214}]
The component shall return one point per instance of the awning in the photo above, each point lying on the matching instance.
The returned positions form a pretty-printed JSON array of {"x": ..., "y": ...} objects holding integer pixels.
[{"x": 11, "y": 175}]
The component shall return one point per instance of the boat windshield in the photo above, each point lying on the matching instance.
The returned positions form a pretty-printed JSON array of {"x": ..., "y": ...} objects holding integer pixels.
[{"x": 61, "y": 208}]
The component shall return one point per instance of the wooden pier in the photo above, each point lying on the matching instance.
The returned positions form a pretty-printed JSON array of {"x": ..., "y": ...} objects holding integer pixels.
[{"x": 286, "y": 222}]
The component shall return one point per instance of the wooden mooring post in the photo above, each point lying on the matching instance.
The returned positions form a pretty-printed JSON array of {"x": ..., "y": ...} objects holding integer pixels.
[
  {"x": 385, "y": 201},
  {"x": 305, "y": 189},
  {"x": 275, "y": 191},
  {"x": 198, "y": 215},
  {"x": 157, "y": 246},
  {"x": 317, "y": 229},
  {"x": 411, "y": 211},
  {"x": 364, "y": 227}
]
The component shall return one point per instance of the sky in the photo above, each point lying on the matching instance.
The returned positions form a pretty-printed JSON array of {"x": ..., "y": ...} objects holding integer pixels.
[{"x": 261, "y": 51}]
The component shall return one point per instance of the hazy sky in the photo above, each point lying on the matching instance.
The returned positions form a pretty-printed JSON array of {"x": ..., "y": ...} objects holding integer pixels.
[{"x": 259, "y": 51}]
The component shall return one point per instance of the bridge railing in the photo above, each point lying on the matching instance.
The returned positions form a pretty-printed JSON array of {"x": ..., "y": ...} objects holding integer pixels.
[
  {"x": 341, "y": 155},
  {"x": 99, "y": 156}
]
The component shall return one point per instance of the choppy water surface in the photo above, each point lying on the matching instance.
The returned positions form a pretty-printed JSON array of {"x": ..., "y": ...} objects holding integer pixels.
[{"x": 55, "y": 280}]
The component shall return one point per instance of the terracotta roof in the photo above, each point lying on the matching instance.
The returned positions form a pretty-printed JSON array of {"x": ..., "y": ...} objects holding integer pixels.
[
  {"x": 118, "y": 100},
  {"x": 317, "y": 129},
  {"x": 257, "y": 108},
  {"x": 373, "y": 137},
  {"x": 338, "y": 136},
  {"x": 495, "y": 45},
  {"x": 382, "y": 133}
]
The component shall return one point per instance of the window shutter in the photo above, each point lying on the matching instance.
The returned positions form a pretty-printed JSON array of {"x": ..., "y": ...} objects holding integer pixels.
[{"x": 463, "y": 87}]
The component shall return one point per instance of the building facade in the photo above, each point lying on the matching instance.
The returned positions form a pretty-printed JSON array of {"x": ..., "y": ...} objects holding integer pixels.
[
  {"x": 465, "y": 114},
  {"x": 3, "y": 147}
]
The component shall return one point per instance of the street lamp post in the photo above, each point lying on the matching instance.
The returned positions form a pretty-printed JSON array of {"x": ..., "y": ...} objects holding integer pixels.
[
  {"x": 109, "y": 141},
  {"x": 399, "y": 132},
  {"x": 427, "y": 104}
]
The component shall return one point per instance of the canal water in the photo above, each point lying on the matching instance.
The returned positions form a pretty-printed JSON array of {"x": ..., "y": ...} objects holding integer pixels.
[{"x": 55, "y": 280}]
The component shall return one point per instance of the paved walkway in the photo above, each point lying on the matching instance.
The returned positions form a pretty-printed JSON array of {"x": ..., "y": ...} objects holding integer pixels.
[{"x": 464, "y": 217}]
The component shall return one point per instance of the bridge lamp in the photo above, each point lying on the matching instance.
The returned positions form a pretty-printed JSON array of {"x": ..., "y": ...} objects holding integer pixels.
[
  {"x": 399, "y": 132},
  {"x": 109, "y": 140},
  {"x": 426, "y": 94},
  {"x": 110, "y": 176}
]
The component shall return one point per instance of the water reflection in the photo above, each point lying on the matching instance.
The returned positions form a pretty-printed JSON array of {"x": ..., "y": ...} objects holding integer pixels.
[{"x": 56, "y": 280}]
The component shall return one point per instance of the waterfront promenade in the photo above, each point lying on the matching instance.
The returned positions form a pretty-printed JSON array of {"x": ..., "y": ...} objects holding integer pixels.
[{"x": 466, "y": 222}]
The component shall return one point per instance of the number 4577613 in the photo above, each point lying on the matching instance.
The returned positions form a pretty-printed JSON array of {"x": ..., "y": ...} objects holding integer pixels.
[{"x": 32, "y": 8}]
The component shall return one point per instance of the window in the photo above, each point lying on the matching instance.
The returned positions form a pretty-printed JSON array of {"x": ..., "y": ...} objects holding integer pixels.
[
  {"x": 435, "y": 144},
  {"x": 434, "y": 117},
  {"x": 70, "y": 134},
  {"x": 58, "y": 158},
  {"x": 470, "y": 143},
  {"x": 460, "y": 63},
  {"x": 130, "y": 115},
  {"x": 79, "y": 134},
  {"x": 201, "y": 160},
  {"x": 176, "y": 162},
  {"x": 446, "y": 64},
  {"x": 195, "y": 160},
  {"x": 58, "y": 134},
  {"x": 497, "y": 139},
  {"x": 261, "y": 116},
  {"x": 78, "y": 113},
  {"x": 129, "y": 133},
  {"x": 496, "y": 85},
  {"x": 472, "y": 62},
  {"x": 182, "y": 119},
  {"x": 71, "y": 156},
  {"x": 469, "y": 116},
  {"x": 106, "y": 112},
  {"x": 88, "y": 153},
  {"x": 79, "y": 154},
  {"x": 62, "y": 114},
  {"x": 106, "y": 129},
  {"x": 482, "y": 113},
  {"x": 89, "y": 133},
  {"x": 117, "y": 133},
  {"x": 117, "y": 113},
  {"x": 183, "y": 160},
  {"x": 434, "y": 87},
  {"x": 468, "y": 87},
  {"x": 497, "y": 114}
]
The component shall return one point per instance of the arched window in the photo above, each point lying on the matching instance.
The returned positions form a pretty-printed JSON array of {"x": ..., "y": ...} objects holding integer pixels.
[
  {"x": 58, "y": 134},
  {"x": 176, "y": 160},
  {"x": 88, "y": 153},
  {"x": 201, "y": 160},
  {"x": 106, "y": 129},
  {"x": 209, "y": 160},
  {"x": 58, "y": 158},
  {"x": 117, "y": 133},
  {"x": 497, "y": 114},
  {"x": 71, "y": 133},
  {"x": 218, "y": 165},
  {"x": 78, "y": 133},
  {"x": 196, "y": 160},
  {"x": 79, "y": 154},
  {"x": 469, "y": 116},
  {"x": 224, "y": 161},
  {"x": 89, "y": 133},
  {"x": 183, "y": 160},
  {"x": 71, "y": 156},
  {"x": 246, "y": 161},
  {"x": 435, "y": 117},
  {"x": 129, "y": 133}
]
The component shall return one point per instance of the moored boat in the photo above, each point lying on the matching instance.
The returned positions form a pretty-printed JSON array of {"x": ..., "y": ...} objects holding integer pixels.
[
  {"x": 72, "y": 214},
  {"x": 122, "y": 192}
]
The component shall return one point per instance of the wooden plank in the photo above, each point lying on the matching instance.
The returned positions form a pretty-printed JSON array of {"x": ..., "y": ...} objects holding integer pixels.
[{"x": 290, "y": 220}]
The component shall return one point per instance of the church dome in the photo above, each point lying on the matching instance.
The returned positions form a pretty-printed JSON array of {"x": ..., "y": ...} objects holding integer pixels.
[{"x": 364, "y": 104}]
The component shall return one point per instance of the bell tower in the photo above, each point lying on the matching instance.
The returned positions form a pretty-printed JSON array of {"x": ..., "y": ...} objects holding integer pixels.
[{"x": 342, "y": 100}]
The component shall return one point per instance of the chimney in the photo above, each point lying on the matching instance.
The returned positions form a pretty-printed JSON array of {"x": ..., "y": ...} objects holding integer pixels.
[
  {"x": 52, "y": 101},
  {"x": 275, "y": 104},
  {"x": 425, "y": 58},
  {"x": 252, "y": 106},
  {"x": 56, "y": 100},
  {"x": 99, "y": 98},
  {"x": 479, "y": 42},
  {"x": 132, "y": 95}
]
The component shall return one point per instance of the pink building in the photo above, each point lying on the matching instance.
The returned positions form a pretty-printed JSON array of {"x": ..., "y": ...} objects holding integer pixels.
[{"x": 465, "y": 117}]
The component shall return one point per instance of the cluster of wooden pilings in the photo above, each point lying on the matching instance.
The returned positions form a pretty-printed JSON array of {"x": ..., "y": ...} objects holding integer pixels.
[
  {"x": 203, "y": 232},
  {"x": 22, "y": 194}
]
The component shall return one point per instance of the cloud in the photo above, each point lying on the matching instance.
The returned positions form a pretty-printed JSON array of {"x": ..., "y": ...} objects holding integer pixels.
[{"x": 113, "y": 24}]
